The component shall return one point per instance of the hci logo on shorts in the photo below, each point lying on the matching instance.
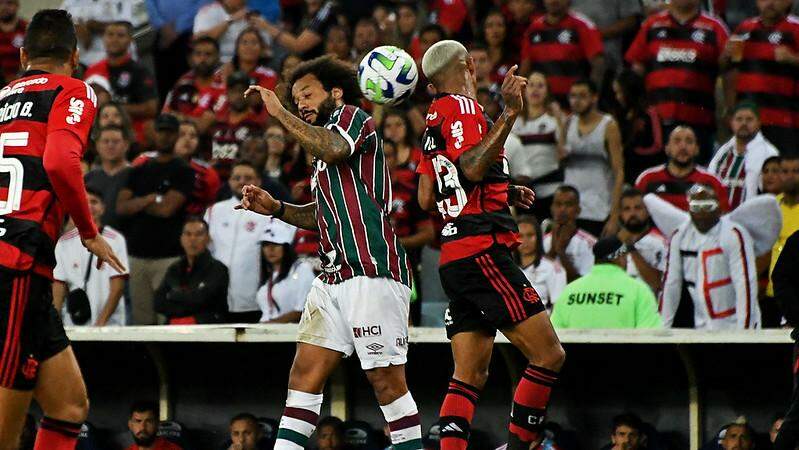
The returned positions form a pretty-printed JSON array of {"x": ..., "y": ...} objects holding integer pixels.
[{"x": 371, "y": 331}]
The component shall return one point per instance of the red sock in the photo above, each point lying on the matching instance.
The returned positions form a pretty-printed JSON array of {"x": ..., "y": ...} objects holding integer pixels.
[
  {"x": 530, "y": 404},
  {"x": 56, "y": 434},
  {"x": 456, "y": 414}
]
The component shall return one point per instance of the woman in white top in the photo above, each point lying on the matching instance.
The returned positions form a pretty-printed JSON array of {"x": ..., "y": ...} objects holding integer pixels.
[
  {"x": 534, "y": 148},
  {"x": 287, "y": 280},
  {"x": 546, "y": 275}
]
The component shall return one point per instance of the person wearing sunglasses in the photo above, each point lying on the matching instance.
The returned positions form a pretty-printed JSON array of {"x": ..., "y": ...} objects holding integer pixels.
[{"x": 714, "y": 258}]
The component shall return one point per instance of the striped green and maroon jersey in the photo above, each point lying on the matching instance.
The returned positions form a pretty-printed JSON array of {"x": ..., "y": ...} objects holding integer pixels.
[{"x": 353, "y": 201}]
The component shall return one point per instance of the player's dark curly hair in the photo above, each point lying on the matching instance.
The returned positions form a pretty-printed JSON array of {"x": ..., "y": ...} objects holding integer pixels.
[{"x": 332, "y": 73}]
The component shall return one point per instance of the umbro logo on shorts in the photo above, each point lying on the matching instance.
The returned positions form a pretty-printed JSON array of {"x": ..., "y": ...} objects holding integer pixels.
[{"x": 374, "y": 348}]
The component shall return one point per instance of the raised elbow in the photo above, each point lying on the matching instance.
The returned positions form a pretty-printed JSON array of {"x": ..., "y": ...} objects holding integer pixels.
[{"x": 473, "y": 174}]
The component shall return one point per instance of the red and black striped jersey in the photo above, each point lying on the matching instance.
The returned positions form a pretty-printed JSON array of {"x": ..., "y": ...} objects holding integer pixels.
[
  {"x": 188, "y": 97},
  {"x": 32, "y": 108},
  {"x": 681, "y": 61},
  {"x": 562, "y": 51},
  {"x": 10, "y": 42},
  {"x": 476, "y": 214},
  {"x": 659, "y": 181},
  {"x": 763, "y": 80}
]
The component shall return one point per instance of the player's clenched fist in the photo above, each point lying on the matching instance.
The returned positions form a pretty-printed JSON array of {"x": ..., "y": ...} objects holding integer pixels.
[
  {"x": 270, "y": 99},
  {"x": 512, "y": 90},
  {"x": 258, "y": 200}
]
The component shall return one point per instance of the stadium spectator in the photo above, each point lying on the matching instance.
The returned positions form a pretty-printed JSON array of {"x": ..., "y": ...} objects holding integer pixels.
[
  {"x": 713, "y": 258},
  {"x": 672, "y": 180},
  {"x": 408, "y": 26},
  {"x": 396, "y": 127},
  {"x": 366, "y": 36},
  {"x": 111, "y": 168},
  {"x": 337, "y": 42},
  {"x": 482, "y": 66},
  {"x": 132, "y": 84},
  {"x": 738, "y": 436},
  {"x": 789, "y": 207},
  {"x": 285, "y": 279},
  {"x": 646, "y": 246},
  {"x": 269, "y": 155},
  {"x": 91, "y": 19},
  {"x": 235, "y": 237},
  {"x": 88, "y": 295},
  {"x": 495, "y": 34},
  {"x": 627, "y": 433},
  {"x": 173, "y": 21},
  {"x": 195, "y": 287},
  {"x": 678, "y": 50},
  {"x": 143, "y": 427},
  {"x": 330, "y": 434},
  {"x": 519, "y": 14},
  {"x": 319, "y": 16},
  {"x": 738, "y": 162},
  {"x": 452, "y": 16},
  {"x": 764, "y": 51},
  {"x": 565, "y": 47},
  {"x": 196, "y": 92},
  {"x": 565, "y": 243},
  {"x": 12, "y": 32},
  {"x": 236, "y": 120},
  {"x": 615, "y": 19},
  {"x": 546, "y": 275},
  {"x": 206, "y": 181},
  {"x": 222, "y": 20},
  {"x": 151, "y": 204},
  {"x": 771, "y": 176},
  {"x": 112, "y": 113},
  {"x": 250, "y": 58},
  {"x": 245, "y": 433},
  {"x": 641, "y": 131},
  {"x": 607, "y": 297},
  {"x": 534, "y": 148},
  {"x": 595, "y": 162},
  {"x": 428, "y": 35}
]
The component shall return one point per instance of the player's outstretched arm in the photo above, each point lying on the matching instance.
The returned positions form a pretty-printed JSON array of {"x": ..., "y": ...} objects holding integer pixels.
[
  {"x": 476, "y": 161},
  {"x": 258, "y": 200},
  {"x": 327, "y": 145},
  {"x": 104, "y": 253}
]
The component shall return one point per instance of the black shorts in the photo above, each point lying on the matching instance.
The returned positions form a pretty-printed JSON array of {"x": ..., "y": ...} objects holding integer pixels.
[
  {"x": 487, "y": 291},
  {"x": 30, "y": 328}
]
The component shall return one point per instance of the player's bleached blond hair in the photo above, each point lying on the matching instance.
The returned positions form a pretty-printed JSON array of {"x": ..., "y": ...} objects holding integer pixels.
[{"x": 439, "y": 56}]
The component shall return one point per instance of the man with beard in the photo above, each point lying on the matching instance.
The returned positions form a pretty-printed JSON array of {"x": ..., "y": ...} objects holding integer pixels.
[
  {"x": 12, "y": 32},
  {"x": 237, "y": 119},
  {"x": 738, "y": 163},
  {"x": 360, "y": 302},
  {"x": 132, "y": 84},
  {"x": 672, "y": 180},
  {"x": 143, "y": 426},
  {"x": 646, "y": 257},
  {"x": 152, "y": 204},
  {"x": 714, "y": 259},
  {"x": 197, "y": 92}
]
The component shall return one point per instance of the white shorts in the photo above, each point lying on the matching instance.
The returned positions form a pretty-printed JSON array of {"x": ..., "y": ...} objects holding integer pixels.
[{"x": 366, "y": 315}]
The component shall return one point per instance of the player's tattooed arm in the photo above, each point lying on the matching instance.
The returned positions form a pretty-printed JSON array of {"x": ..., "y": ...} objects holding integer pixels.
[
  {"x": 327, "y": 145},
  {"x": 301, "y": 216},
  {"x": 260, "y": 201},
  {"x": 475, "y": 162}
]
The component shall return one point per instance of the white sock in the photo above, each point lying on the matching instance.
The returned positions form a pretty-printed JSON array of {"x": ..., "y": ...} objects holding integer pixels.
[{"x": 299, "y": 420}]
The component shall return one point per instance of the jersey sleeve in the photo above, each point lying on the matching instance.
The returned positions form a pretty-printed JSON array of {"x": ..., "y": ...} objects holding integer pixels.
[
  {"x": 740, "y": 253},
  {"x": 73, "y": 110},
  {"x": 349, "y": 122},
  {"x": 462, "y": 126},
  {"x": 590, "y": 40},
  {"x": 672, "y": 282},
  {"x": 638, "y": 51}
]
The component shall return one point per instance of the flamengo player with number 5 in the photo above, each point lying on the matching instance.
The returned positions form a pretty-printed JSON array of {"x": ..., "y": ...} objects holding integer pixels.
[
  {"x": 464, "y": 173},
  {"x": 45, "y": 119}
]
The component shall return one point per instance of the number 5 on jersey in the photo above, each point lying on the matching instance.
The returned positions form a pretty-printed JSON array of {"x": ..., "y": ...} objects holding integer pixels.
[{"x": 14, "y": 169}]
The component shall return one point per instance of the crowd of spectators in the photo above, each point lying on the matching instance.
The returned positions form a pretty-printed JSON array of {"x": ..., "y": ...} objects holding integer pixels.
[{"x": 625, "y": 98}]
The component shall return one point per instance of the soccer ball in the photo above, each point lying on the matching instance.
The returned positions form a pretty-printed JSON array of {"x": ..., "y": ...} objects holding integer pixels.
[{"x": 387, "y": 75}]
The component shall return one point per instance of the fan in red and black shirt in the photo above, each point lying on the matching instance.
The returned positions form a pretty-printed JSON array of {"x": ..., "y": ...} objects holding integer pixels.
[
  {"x": 197, "y": 92},
  {"x": 12, "y": 33},
  {"x": 464, "y": 174},
  {"x": 565, "y": 46},
  {"x": 765, "y": 71},
  {"x": 132, "y": 84},
  {"x": 44, "y": 129},
  {"x": 678, "y": 50},
  {"x": 236, "y": 120},
  {"x": 671, "y": 181}
]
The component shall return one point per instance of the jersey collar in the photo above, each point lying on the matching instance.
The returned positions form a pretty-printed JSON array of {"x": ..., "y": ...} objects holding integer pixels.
[{"x": 33, "y": 72}]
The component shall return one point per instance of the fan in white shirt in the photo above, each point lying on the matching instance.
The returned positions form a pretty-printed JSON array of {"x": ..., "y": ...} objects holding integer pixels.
[
  {"x": 287, "y": 280},
  {"x": 546, "y": 275},
  {"x": 647, "y": 248},
  {"x": 565, "y": 243},
  {"x": 104, "y": 286}
]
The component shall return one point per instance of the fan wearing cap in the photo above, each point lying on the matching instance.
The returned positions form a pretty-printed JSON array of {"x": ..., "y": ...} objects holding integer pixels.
[
  {"x": 150, "y": 207},
  {"x": 714, "y": 258},
  {"x": 286, "y": 279},
  {"x": 607, "y": 297}
]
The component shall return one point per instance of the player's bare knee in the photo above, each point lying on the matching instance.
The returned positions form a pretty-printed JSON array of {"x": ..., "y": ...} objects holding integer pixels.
[
  {"x": 387, "y": 383},
  {"x": 74, "y": 410},
  {"x": 552, "y": 358}
]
